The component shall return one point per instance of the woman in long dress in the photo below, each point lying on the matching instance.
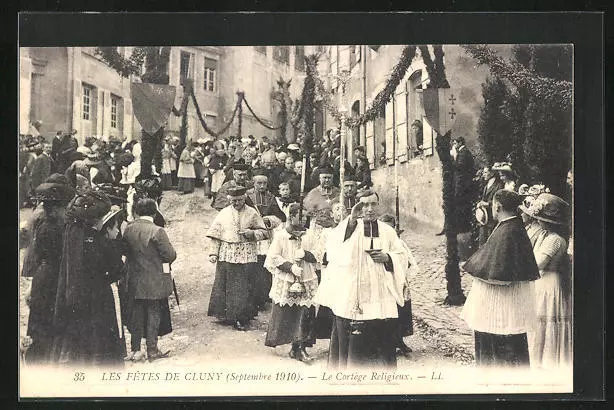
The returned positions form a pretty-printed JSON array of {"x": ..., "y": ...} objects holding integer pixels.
[
  {"x": 45, "y": 252},
  {"x": 168, "y": 164},
  {"x": 186, "y": 173},
  {"x": 551, "y": 342},
  {"x": 85, "y": 317}
]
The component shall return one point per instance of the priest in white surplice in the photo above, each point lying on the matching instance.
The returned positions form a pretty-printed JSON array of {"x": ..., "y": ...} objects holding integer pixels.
[{"x": 366, "y": 262}]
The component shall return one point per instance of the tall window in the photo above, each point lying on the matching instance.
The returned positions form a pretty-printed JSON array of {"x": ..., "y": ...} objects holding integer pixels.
[
  {"x": 86, "y": 106},
  {"x": 114, "y": 111},
  {"x": 186, "y": 67},
  {"x": 260, "y": 49},
  {"x": 210, "y": 74},
  {"x": 379, "y": 137},
  {"x": 299, "y": 60},
  {"x": 396, "y": 126},
  {"x": 281, "y": 54},
  {"x": 414, "y": 113}
]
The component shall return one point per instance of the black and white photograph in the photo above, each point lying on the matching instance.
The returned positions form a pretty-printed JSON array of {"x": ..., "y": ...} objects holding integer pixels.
[{"x": 297, "y": 220}]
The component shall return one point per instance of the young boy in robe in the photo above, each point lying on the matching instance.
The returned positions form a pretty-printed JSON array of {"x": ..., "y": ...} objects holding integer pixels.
[
  {"x": 405, "y": 325},
  {"x": 500, "y": 306},
  {"x": 294, "y": 285}
]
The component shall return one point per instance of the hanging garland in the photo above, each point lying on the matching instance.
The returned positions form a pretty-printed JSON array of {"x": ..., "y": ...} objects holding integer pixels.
[
  {"x": 202, "y": 120},
  {"x": 381, "y": 99},
  {"x": 257, "y": 118},
  {"x": 543, "y": 88}
]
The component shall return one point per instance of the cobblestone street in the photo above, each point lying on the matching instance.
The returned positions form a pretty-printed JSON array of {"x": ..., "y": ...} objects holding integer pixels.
[{"x": 429, "y": 290}]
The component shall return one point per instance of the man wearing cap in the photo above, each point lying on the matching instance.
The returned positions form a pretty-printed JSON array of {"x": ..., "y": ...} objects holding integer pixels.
[
  {"x": 366, "y": 263},
  {"x": 239, "y": 174},
  {"x": 234, "y": 234},
  {"x": 348, "y": 193},
  {"x": 321, "y": 197},
  {"x": 266, "y": 205}
]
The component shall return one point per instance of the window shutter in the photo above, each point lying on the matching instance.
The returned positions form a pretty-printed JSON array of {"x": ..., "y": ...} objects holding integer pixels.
[
  {"x": 390, "y": 133},
  {"x": 400, "y": 109}
]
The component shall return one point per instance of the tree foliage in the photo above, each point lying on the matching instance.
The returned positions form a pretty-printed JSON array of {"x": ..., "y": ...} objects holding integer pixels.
[{"x": 527, "y": 121}]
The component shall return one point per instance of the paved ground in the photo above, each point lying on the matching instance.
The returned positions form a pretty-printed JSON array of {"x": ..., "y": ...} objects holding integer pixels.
[
  {"x": 429, "y": 291},
  {"x": 440, "y": 338}
]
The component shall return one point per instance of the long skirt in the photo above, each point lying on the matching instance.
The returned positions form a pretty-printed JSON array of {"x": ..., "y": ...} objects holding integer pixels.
[
  {"x": 290, "y": 324},
  {"x": 405, "y": 325},
  {"x": 207, "y": 182},
  {"x": 186, "y": 185},
  {"x": 198, "y": 172},
  {"x": 362, "y": 344},
  {"x": 261, "y": 284},
  {"x": 501, "y": 350},
  {"x": 90, "y": 335},
  {"x": 167, "y": 182},
  {"x": 42, "y": 306},
  {"x": 231, "y": 299},
  {"x": 324, "y": 322},
  {"x": 551, "y": 342}
]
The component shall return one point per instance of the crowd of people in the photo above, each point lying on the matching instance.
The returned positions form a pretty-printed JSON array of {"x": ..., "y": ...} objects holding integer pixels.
[{"x": 291, "y": 235}]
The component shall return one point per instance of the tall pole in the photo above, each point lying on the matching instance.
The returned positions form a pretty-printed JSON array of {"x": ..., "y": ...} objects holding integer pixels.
[
  {"x": 343, "y": 77},
  {"x": 395, "y": 155}
]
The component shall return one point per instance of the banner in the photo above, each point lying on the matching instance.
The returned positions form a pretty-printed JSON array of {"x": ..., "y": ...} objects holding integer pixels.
[
  {"x": 152, "y": 104},
  {"x": 441, "y": 108}
]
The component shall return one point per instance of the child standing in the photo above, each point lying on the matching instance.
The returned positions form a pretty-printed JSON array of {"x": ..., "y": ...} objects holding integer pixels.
[{"x": 294, "y": 285}]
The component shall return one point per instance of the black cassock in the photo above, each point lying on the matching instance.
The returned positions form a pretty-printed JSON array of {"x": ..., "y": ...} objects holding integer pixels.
[{"x": 507, "y": 256}]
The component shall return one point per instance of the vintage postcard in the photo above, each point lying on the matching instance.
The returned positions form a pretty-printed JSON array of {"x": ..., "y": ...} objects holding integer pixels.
[{"x": 296, "y": 220}]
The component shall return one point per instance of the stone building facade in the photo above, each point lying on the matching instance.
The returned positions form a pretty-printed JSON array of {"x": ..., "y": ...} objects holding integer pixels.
[
  {"x": 419, "y": 172},
  {"x": 71, "y": 88}
]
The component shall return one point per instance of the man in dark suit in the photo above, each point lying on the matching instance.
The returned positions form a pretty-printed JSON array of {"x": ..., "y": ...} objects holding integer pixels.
[
  {"x": 55, "y": 146},
  {"x": 149, "y": 254},
  {"x": 464, "y": 171}
]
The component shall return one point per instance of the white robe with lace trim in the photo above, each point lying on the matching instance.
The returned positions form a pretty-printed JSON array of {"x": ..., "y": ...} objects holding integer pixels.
[{"x": 354, "y": 277}]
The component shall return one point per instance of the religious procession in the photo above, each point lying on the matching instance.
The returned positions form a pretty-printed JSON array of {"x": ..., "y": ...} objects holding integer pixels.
[{"x": 305, "y": 228}]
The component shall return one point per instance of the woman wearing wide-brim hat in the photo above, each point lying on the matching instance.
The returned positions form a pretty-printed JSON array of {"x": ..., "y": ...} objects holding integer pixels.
[
  {"x": 551, "y": 343},
  {"x": 87, "y": 331},
  {"x": 42, "y": 263},
  {"x": 506, "y": 174}
]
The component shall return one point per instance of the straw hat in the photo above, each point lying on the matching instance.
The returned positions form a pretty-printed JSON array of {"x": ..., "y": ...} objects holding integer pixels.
[
  {"x": 549, "y": 208},
  {"x": 481, "y": 215}
]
